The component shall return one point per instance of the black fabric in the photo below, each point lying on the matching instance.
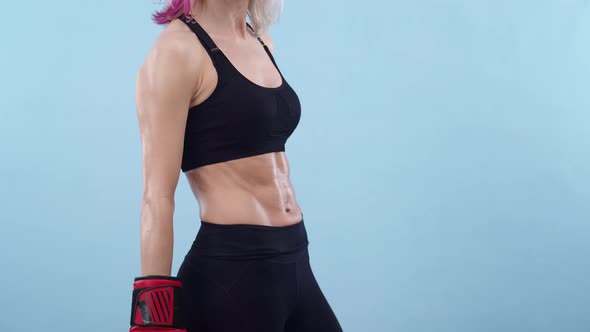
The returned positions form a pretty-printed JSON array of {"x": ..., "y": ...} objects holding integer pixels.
[
  {"x": 156, "y": 277},
  {"x": 241, "y": 118},
  {"x": 252, "y": 278}
]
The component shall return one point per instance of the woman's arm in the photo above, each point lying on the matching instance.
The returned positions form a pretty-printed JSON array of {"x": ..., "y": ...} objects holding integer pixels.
[{"x": 165, "y": 85}]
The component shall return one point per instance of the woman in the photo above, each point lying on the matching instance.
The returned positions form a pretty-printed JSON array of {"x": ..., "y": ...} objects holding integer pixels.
[{"x": 212, "y": 101}]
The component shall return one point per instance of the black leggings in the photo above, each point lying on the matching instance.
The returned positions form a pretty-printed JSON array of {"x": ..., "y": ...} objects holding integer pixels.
[{"x": 250, "y": 278}]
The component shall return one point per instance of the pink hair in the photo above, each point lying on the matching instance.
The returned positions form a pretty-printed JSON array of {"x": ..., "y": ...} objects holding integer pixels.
[{"x": 172, "y": 10}]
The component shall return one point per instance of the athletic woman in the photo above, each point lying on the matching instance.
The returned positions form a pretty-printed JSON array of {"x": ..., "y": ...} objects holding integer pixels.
[{"x": 212, "y": 102}]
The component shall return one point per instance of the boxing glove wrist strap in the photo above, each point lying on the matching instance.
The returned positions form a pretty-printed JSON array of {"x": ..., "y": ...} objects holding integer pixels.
[{"x": 156, "y": 302}]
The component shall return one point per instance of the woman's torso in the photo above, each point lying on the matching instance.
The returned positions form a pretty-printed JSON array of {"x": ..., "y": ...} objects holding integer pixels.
[
  {"x": 252, "y": 190},
  {"x": 255, "y": 189}
]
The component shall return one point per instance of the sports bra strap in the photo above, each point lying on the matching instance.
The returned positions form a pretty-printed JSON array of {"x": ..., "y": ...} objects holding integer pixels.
[
  {"x": 266, "y": 48},
  {"x": 259, "y": 39},
  {"x": 201, "y": 33},
  {"x": 214, "y": 52}
]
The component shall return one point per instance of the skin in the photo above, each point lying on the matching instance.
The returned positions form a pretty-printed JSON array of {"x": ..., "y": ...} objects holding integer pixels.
[{"x": 176, "y": 75}]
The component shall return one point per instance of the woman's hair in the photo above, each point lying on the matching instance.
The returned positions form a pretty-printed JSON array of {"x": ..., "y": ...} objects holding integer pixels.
[{"x": 262, "y": 13}]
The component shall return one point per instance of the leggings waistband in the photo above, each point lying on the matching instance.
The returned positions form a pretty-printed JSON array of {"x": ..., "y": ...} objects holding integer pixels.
[{"x": 246, "y": 241}]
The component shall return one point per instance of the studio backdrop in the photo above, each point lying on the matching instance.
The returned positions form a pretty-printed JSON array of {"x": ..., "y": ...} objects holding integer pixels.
[{"x": 442, "y": 161}]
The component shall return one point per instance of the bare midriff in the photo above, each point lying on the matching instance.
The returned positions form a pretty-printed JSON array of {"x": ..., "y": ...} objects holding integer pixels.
[{"x": 253, "y": 190}]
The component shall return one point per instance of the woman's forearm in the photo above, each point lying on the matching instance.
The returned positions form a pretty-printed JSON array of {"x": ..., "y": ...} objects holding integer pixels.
[{"x": 157, "y": 237}]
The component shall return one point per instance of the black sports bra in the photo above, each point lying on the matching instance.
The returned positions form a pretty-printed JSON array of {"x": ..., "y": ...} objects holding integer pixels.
[{"x": 240, "y": 118}]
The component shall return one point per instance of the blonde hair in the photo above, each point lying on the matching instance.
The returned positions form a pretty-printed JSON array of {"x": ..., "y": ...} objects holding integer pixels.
[{"x": 262, "y": 13}]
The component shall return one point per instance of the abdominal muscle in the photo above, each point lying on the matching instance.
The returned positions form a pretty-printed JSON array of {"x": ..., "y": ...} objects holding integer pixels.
[{"x": 253, "y": 190}]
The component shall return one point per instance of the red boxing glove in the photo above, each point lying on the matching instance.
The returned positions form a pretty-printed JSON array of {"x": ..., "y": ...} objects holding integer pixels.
[{"x": 155, "y": 305}]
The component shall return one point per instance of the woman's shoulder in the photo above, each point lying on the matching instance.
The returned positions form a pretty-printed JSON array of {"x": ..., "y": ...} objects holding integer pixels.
[
  {"x": 177, "y": 40},
  {"x": 172, "y": 67},
  {"x": 176, "y": 48}
]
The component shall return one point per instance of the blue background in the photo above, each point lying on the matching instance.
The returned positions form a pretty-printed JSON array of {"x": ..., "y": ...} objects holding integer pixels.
[{"x": 442, "y": 161}]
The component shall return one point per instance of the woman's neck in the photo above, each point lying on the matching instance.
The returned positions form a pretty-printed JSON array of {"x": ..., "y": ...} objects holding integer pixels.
[{"x": 224, "y": 17}]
